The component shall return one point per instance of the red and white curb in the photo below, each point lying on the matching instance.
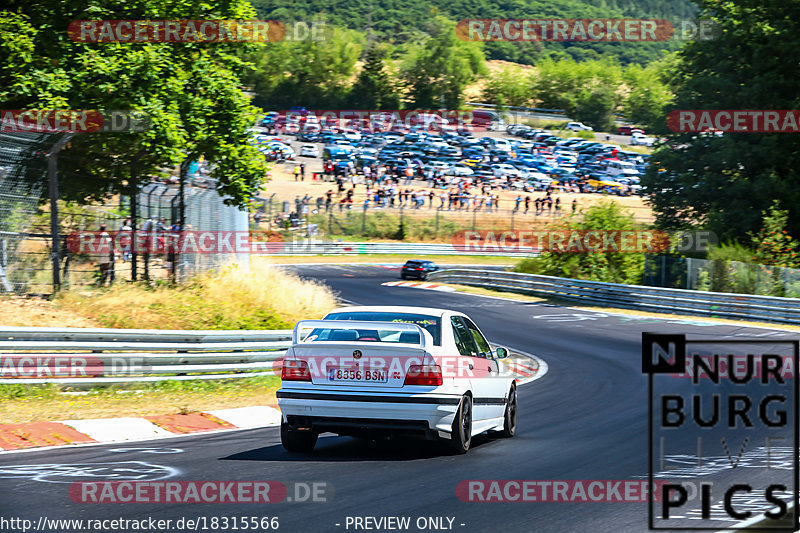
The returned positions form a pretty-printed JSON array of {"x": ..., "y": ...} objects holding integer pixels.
[
  {"x": 31, "y": 435},
  {"x": 420, "y": 285},
  {"x": 525, "y": 370}
]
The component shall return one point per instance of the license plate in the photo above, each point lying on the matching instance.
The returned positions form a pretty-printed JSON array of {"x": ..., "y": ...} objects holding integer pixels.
[{"x": 361, "y": 375}]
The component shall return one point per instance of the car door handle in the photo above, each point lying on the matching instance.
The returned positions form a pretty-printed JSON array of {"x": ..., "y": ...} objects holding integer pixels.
[{"x": 470, "y": 366}]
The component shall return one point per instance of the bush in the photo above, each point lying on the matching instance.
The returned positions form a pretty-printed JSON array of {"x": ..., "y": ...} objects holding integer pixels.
[{"x": 616, "y": 267}]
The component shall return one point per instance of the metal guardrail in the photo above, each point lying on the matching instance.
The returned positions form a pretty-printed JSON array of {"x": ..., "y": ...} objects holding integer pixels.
[
  {"x": 528, "y": 112},
  {"x": 364, "y": 248},
  {"x": 654, "y": 299},
  {"x": 82, "y": 357}
]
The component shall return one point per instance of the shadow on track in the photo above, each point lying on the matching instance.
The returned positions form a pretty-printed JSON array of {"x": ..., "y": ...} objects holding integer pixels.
[{"x": 350, "y": 449}]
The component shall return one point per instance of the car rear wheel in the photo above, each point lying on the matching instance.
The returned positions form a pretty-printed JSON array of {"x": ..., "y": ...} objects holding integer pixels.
[
  {"x": 294, "y": 440},
  {"x": 461, "y": 434}
]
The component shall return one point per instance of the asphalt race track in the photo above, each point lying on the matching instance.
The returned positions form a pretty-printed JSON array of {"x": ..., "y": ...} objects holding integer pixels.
[{"x": 586, "y": 419}]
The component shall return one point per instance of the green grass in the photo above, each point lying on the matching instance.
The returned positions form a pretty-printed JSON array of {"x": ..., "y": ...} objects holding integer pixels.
[{"x": 39, "y": 403}]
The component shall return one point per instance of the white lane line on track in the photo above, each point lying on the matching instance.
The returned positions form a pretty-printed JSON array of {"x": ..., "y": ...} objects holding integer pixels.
[{"x": 110, "y": 429}]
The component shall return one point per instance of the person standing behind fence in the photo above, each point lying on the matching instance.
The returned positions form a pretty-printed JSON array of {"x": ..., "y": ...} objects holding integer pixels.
[
  {"x": 302, "y": 172},
  {"x": 296, "y": 172},
  {"x": 105, "y": 258},
  {"x": 127, "y": 239}
]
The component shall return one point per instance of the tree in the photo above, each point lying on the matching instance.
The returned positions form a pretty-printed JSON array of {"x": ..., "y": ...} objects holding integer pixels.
[
  {"x": 163, "y": 80},
  {"x": 774, "y": 246},
  {"x": 509, "y": 85},
  {"x": 307, "y": 72},
  {"x": 374, "y": 89},
  {"x": 648, "y": 94},
  {"x": 596, "y": 107},
  {"x": 438, "y": 68},
  {"x": 726, "y": 182},
  {"x": 601, "y": 265},
  {"x": 587, "y": 91}
]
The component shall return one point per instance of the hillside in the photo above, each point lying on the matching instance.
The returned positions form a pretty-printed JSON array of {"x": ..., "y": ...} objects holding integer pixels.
[{"x": 398, "y": 21}]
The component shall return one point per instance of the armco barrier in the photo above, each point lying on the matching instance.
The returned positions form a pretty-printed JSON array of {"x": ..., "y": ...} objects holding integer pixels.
[
  {"x": 138, "y": 355},
  {"x": 366, "y": 248},
  {"x": 654, "y": 299}
]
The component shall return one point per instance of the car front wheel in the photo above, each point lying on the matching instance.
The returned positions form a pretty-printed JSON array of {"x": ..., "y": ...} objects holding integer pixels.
[
  {"x": 510, "y": 418},
  {"x": 297, "y": 441},
  {"x": 461, "y": 434}
]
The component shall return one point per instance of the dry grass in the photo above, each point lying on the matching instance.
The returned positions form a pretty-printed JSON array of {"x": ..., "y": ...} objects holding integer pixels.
[
  {"x": 262, "y": 298},
  {"x": 38, "y": 312}
]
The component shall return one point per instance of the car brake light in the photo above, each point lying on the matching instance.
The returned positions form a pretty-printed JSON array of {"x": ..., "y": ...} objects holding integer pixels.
[
  {"x": 424, "y": 375},
  {"x": 295, "y": 370}
]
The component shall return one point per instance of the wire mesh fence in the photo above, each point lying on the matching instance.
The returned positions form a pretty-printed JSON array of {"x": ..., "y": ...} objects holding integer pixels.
[
  {"x": 27, "y": 262},
  {"x": 721, "y": 276},
  {"x": 23, "y": 179},
  {"x": 205, "y": 211}
]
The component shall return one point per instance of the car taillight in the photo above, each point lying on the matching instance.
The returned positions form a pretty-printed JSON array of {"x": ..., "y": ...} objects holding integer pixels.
[
  {"x": 424, "y": 375},
  {"x": 419, "y": 268},
  {"x": 295, "y": 370}
]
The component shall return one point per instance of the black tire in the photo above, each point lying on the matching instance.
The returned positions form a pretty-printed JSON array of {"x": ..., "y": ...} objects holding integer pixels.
[
  {"x": 510, "y": 417},
  {"x": 297, "y": 441},
  {"x": 461, "y": 434}
]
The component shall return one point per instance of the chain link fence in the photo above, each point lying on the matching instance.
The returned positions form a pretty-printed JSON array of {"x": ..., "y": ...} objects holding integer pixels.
[
  {"x": 24, "y": 248},
  {"x": 205, "y": 211},
  {"x": 27, "y": 264},
  {"x": 721, "y": 276},
  {"x": 426, "y": 218}
]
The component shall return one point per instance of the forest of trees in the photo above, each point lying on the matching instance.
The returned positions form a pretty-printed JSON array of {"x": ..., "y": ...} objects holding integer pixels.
[{"x": 396, "y": 23}]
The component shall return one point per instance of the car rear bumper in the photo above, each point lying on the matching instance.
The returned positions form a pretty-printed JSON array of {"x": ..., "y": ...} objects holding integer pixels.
[{"x": 351, "y": 413}]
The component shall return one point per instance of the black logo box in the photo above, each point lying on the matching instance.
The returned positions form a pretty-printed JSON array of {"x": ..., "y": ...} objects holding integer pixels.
[{"x": 658, "y": 343}]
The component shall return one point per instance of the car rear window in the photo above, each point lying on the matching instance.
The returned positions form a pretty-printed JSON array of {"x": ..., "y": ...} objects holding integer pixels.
[
  {"x": 432, "y": 324},
  {"x": 413, "y": 263}
]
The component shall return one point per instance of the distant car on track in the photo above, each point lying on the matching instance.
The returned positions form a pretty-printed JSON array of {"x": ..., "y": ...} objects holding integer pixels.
[
  {"x": 578, "y": 126},
  {"x": 383, "y": 371},
  {"x": 417, "y": 268}
]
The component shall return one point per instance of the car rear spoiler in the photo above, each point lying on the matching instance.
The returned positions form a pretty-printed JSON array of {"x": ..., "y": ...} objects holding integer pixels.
[{"x": 356, "y": 324}]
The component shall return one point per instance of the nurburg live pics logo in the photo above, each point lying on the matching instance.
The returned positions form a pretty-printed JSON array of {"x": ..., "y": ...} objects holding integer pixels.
[{"x": 740, "y": 400}]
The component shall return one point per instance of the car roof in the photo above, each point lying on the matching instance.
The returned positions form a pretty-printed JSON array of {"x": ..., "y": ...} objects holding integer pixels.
[{"x": 395, "y": 309}]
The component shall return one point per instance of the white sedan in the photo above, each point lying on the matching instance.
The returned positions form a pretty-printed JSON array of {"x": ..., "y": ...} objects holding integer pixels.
[
  {"x": 378, "y": 371},
  {"x": 309, "y": 150},
  {"x": 642, "y": 140},
  {"x": 578, "y": 126}
]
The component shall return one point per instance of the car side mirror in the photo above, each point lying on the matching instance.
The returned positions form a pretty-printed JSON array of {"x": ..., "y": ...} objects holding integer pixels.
[{"x": 501, "y": 353}]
